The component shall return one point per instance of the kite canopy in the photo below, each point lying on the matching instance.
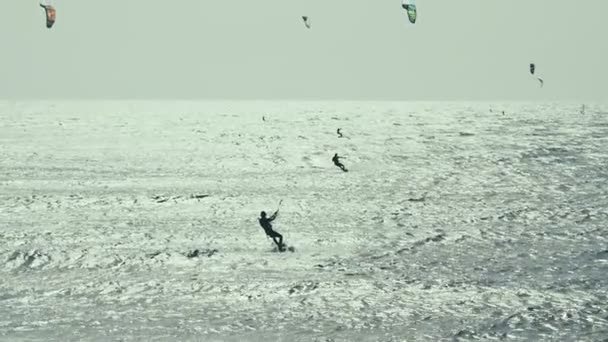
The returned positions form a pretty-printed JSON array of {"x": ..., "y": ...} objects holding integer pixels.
[
  {"x": 410, "y": 7},
  {"x": 50, "y": 12},
  {"x": 305, "y": 19},
  {"x": 541, "y": 81},
  {"x": 532, "y": 70}
]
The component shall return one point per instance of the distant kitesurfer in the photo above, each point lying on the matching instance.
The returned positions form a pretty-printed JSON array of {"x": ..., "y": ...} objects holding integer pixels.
[
  {"x": 336, "y": 161},
  {"x": 265, "y": 223},
  {"x": 339, "y": 133}
]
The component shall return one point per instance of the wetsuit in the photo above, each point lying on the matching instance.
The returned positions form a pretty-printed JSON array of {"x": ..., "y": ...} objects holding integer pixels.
[{"x": 336, "y": 161}]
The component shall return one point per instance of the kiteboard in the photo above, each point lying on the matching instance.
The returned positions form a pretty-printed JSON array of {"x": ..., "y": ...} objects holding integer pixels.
[{"x": 286, "y": 248}]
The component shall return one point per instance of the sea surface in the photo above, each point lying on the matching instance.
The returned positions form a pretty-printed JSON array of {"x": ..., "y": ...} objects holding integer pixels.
[{"x": 137, "y": 221}]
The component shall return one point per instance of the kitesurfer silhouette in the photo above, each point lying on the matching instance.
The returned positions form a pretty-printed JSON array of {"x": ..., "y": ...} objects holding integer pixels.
[
  {"x": 265, "y": 223},
  {"x": 336, "y": 161}
]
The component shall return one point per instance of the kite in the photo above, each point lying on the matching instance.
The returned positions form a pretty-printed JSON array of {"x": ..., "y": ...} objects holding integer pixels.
[
  {"x": 410, "y": 7},
  {"x": 306, "y": 22},
  {"x": 532, "y": 70},
  {"x": 49, "y": 11}
]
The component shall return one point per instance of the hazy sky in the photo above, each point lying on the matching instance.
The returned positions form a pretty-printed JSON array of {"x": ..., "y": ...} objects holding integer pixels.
[{"x": 356, "y": 49}]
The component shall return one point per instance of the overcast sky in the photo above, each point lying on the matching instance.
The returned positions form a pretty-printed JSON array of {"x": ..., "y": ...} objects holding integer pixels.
[{"x": 356, "y": 49}]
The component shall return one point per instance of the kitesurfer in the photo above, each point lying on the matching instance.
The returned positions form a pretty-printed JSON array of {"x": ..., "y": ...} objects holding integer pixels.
[
  {"x": 339, "y": 133},
  {"x": 265, "y": 223},
  {"x": 336, "y": 161}
]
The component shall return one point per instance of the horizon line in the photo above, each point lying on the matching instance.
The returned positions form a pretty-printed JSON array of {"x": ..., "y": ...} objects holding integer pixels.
[{"x": 240, "y": 99}]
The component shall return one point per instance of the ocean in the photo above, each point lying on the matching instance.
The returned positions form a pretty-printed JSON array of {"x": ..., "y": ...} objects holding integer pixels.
[{"x": 137, "y": 221}]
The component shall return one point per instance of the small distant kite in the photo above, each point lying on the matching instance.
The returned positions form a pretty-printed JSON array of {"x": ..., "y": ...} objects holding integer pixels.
[
  {"x": 306, "y": 22},
  {"x": 410, "y": 7},
  {"x": 49, "y": 11},
  {"x": 532, "y": 70}
]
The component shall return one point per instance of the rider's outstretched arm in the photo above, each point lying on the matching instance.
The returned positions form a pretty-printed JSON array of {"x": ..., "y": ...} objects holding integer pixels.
[{"x": 273, "y": 216}]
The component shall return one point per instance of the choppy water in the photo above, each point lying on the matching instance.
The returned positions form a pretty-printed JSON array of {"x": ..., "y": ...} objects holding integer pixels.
[{"x": 454, "y": 223}]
